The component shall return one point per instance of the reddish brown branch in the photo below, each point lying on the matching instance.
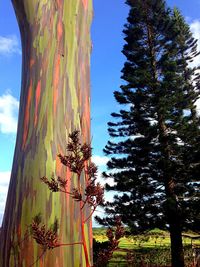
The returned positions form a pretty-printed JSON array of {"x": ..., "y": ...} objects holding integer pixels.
[{"x": 78, "y": 162}]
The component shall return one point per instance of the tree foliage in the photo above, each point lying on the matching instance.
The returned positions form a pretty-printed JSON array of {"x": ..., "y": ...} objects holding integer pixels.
[{"x": 154, "y": 144}]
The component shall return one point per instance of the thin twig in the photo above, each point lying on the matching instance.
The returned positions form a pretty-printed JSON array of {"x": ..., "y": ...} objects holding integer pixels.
[
  {"x": 84, "y": 202},
  {"x": 38, "y": 258},
  {"x": 21, "y": 241},
  {"x": 66, "y": 192},
  {"x": 70, "y": 244},
  {"x": 90, "y": 215}
]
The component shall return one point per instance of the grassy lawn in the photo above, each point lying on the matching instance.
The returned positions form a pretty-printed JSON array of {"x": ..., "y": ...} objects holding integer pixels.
[{"x": 152, "y": 248}]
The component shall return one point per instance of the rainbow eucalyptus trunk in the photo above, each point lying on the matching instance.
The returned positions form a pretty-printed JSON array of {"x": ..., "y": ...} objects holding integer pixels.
[{"x": 54, "y": 101}]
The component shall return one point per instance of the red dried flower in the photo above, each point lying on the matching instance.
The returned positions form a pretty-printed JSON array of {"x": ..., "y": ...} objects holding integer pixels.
[
  {"x": 46, "y": 238},
  {"x": 52, "y": 184},
  {"x": 76, "y": 194}
]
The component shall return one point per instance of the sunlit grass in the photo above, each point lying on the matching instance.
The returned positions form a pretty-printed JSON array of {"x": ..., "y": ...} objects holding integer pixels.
[
  {"x": 153, "y": 238},
  {"x": 152, "y": 247}
]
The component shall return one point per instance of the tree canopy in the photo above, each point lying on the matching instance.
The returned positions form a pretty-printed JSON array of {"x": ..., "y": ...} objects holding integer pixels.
[{"x": 154, "y": 144}]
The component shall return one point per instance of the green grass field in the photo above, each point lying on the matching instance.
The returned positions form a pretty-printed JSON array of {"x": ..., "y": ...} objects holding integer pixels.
[{"x": 151, "y": 248}]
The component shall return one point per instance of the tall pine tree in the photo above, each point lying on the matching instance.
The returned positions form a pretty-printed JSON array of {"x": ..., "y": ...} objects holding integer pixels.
[
  {"x": 153, "y": 163},
  {"x": 188, "y": 127}
]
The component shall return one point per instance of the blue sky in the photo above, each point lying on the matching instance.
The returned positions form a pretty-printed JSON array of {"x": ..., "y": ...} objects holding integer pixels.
[{"x": 106, "y": 63}]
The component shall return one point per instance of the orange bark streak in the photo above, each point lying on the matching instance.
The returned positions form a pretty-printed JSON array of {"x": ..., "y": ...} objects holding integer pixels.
[
  {"x": 27, "y": 115},
  {"x": 57, "y": 263},
  {"x": 83, "y": 71},
  {"x": 58, "y": 166},
  {"x": 59, "y": 30},
  {"x": 85, "y": 3},
  {"x": 59, "y": 3},
  {"x": 19, "y": 232},
  {"x": 37, "y": 99},
  {"x": 32, "y": 62},
  {"x": 55, "y": 83}
]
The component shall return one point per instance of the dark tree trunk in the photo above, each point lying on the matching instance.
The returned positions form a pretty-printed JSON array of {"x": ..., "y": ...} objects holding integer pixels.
[
  {"x": 176, "y": 242},
  {"x": 172, "y": 211}
]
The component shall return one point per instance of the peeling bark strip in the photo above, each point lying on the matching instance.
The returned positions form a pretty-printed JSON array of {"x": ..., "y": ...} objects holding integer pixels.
[{"x": 54, "y": 101}]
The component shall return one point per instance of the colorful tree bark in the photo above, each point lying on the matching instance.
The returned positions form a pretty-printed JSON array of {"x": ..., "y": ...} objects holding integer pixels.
[{"x": 54, "y": 101}]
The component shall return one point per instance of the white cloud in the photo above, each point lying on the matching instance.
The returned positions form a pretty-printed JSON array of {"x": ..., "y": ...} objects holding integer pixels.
[
  {"x": 103, "y": 181},
  {"x": 198, "y": 106},
  {"x": 99, "y": 160},
  {"x": 9, "y": 45},
  {"x": 4, "y": 182},
  {"x": 195, "y": 28},
  {"x": 8, "y": 113},
  {"x": 108, "y": 196}
]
